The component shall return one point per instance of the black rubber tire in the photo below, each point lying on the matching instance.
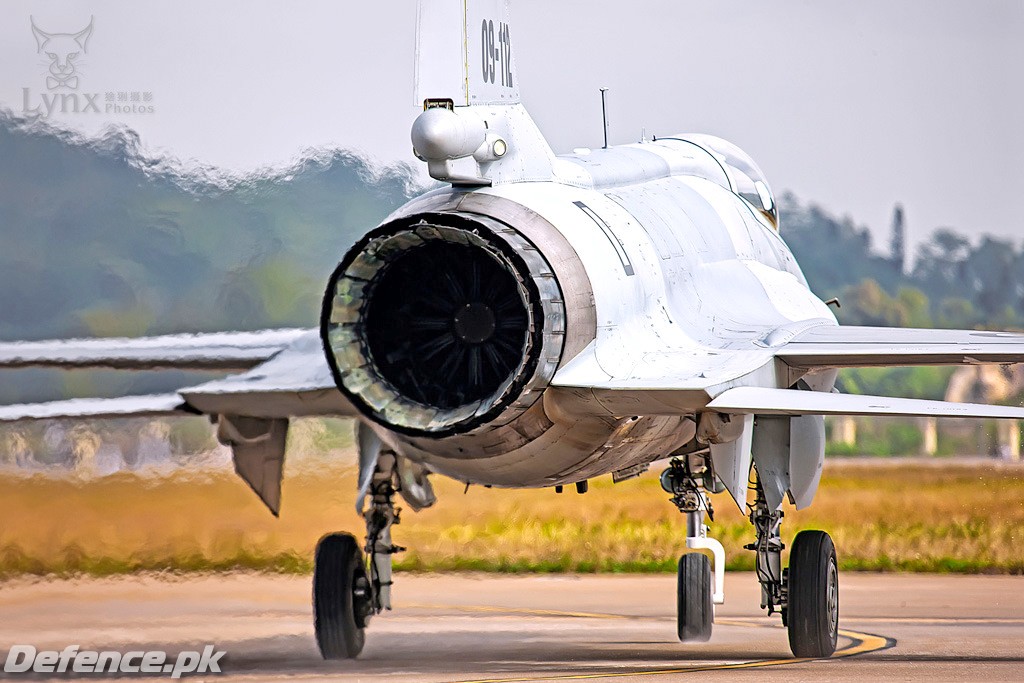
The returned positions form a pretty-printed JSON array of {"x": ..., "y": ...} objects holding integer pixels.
[
  {"x": 695, "y": 615},
  {"x": 813, "y": 613},
  {"x": 338, "y": 623}
]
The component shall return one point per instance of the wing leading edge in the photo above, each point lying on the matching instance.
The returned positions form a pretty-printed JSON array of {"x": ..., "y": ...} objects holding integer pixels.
[
  {"x": 286, "y": 375},
  {"x": 153, "y": 405},
  {"x": 844, "y": 346},
  {"x": 764, "y": 401},
  {"x": 672, "y": 382},
  {"x": 207, "y": 351}
]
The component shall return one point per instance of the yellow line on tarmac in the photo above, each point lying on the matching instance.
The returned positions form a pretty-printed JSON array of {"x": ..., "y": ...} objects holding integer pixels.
[
  {"x": 862, "y": 644},
  {"x": 936, "y": 621},
  {"x": 521, "y": 610}
]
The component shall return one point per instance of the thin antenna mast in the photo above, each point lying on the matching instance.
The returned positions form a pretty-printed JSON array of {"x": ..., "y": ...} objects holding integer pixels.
[{"x": 604, "y": 117}]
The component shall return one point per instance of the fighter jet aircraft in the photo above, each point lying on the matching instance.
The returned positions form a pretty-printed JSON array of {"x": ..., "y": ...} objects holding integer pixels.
[{"x": 543, "y": 320}]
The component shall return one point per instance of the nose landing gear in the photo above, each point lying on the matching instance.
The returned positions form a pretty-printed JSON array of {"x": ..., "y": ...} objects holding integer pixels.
[
  {"x": 342, "y": 600},
  {"x": 695, "y": 611},
  {"x": 688, "y": 480}
]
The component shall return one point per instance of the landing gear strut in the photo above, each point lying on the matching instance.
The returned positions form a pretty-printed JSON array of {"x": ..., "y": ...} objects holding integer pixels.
[
  {"x": 688, "y": 480},
  {"x": 768, "y": 548},
  {"x": 807, "y": 593},
  {"x": 348, "y": 589}
]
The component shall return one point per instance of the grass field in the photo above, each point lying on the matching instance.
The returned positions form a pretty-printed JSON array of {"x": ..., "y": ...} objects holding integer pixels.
[{"x": 908, "y": 517}]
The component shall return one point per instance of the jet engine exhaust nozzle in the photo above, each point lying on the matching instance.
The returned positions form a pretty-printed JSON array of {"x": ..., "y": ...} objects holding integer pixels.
[{"x": 439, "y": 323}]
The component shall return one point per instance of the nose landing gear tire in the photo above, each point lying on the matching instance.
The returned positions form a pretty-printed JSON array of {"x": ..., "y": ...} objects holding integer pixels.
[
  {"x": 813, "y": 608},
  {"x": 695, "y": 610},
  {"x": 341, "y": 597}
]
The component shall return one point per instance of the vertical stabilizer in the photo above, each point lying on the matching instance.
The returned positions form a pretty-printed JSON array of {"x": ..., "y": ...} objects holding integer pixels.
[
  {"x": 464, "y": 52},
  {"x": 473, "y": 130}
]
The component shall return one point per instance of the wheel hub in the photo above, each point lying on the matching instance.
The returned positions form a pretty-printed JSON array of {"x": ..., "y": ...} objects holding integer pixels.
[
  {"x": 362, "y": 601},
  {"x": 832, "y": 598}
]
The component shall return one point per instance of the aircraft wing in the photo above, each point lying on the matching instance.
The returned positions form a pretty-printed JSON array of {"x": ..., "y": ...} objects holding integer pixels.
[
  {"x": 765, "y": 401},
  {"x": 845, "y": 346},
  {"x": 210, "y": 351},
  {"x": 153, "y": 405},
  {"x": 286, "y": 375},
  {"x": 678, "y": 381},
  {"x": 295, "y": 382}
]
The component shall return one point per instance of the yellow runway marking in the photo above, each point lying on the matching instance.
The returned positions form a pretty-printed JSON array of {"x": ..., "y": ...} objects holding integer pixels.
[
  {"x": 936, "y": 621},
  {"x": 862, "y": 644},
  {"x": 520, "y": 610}
]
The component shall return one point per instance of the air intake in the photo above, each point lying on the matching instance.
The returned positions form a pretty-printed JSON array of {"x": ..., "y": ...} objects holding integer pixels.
[{"x": 443, "y": 322}]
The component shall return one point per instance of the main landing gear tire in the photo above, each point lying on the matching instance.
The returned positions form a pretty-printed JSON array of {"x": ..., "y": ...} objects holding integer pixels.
[
  {"x": 813, "y": 597},
  {"x": 341, "y": 597},
  {"x": 696, "y": 612}
]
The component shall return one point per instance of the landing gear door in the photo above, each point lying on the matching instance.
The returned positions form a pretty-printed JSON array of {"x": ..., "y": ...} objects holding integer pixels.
[
  {"x": 731, "y": 461},
  {"x": 789, "y": 453},
  {"x": 257, "y": 447},
  {"x": 806, "y": 457}
]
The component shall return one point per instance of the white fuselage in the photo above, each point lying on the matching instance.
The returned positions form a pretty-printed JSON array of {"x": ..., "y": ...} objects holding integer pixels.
[{"x": 676, "y": 261}]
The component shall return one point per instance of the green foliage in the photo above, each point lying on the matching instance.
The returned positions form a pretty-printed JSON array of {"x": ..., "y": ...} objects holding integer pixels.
[
  {"x": 903, "y": 438},
  {"x": 957, "y": 313},
  {"x": 883, "y": 437},
  {"x": 191, "y": 435},
  {"x": 840, "y": 449},
  {"x": 866, "y": 303},
  {"x": 917, "y": 382},
  {"x": 953, "y": 283},
  {"x": 110, "y": 242},
  {"x": 914, "y": 307}
]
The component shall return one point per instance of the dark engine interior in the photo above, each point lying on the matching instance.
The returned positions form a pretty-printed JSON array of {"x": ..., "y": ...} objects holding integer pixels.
[{"x": 445, "y": 323}]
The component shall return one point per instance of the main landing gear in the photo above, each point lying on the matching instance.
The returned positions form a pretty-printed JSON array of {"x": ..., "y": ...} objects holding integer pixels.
[
  {"x": 348, "y": 589},
  {"x": 812, "y": 614},
  {"x": 342, "y": 597},
  {"x": 806, "y": 594}
]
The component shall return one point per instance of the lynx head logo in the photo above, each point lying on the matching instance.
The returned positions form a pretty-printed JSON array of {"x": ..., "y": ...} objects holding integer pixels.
[{"x": 63, "y": 51}]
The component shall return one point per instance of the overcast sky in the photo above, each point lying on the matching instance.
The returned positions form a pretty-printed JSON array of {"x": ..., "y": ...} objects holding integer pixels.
[{"x": 853, "y": 105}]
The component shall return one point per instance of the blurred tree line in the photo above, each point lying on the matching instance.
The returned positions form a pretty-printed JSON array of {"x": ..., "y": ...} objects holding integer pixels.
[
  {"x": 103, "y": 240},
  {"x": 951, "y": 282}
]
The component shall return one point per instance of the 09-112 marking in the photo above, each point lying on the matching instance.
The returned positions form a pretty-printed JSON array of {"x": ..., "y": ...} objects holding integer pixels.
[{"x": 496, "y": 53}]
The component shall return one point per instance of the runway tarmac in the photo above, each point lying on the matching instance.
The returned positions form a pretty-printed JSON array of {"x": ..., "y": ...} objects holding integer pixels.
[{"x": 473, "y": 627}]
